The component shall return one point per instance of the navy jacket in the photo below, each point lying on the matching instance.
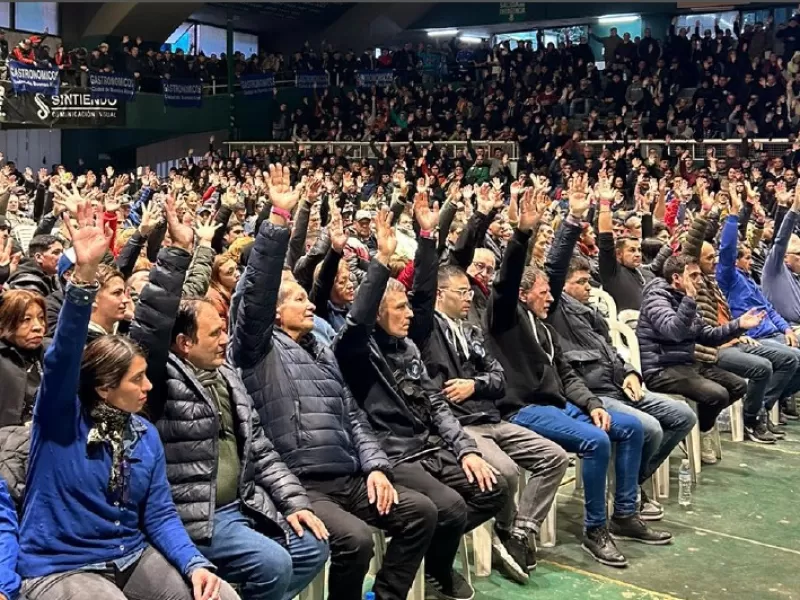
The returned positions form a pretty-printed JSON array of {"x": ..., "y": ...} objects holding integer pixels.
[
  {"x": 670, "y": 325},
  {"x": 306, "y": 409}
]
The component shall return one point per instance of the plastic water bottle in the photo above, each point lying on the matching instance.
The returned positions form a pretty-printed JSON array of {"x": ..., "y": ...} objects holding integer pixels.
[
  {"x": 685, "y": 484},
  {"x": 369, "y": 596}
]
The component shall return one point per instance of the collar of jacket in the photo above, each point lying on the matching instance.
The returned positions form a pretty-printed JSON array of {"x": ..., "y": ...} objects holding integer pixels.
[{"x": 388, "y": 342}]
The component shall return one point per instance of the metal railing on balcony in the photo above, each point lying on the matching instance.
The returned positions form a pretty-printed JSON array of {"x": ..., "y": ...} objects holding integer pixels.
[{"x": 359, "y": 150}]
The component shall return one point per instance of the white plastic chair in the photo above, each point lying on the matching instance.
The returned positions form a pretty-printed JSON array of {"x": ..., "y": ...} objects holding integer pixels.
[{"x": 603, "y": 300}]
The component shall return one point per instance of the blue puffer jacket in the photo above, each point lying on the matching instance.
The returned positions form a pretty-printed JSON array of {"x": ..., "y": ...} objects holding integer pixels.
[
  {"x": 305, "y": 407},
  {"x": 670, "y": 325}
]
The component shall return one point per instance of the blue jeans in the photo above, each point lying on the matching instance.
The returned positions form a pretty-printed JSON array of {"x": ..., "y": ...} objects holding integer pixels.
[
  {"x": 778, "y": 342},
  {"x": 263, "y": 568},
  {"x": 769, "y": 369},
  {"x": 573, "y": 430},
  {"x": 666, "y": 422}
]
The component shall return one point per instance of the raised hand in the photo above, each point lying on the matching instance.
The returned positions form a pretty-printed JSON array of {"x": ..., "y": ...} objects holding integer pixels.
[
  {"x": 150, "y": 218},
  {"x": 336, "y": 228},
  {"x": 387, "y": 239},
  {"x": 89, "y": 242},
  {"x": 181, "y": 235},
  {"x": 205, "y": 230},
  {"x": 530, "y": 211},
  {"x": 427, "y": 217},
  {"x": 280, "y": 191}
]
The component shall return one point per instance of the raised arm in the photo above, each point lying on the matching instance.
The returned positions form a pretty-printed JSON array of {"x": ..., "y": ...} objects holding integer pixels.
[
  {"x": 157, "y": 308},
  {"x": 774, "y": 262},
  {"x": 423, "y": 297},
  {"x": 252, "y": 336},
  {"x": 353, "y": 339},
  {"x": 607, "y": 258},
  {"x": 57, "y": 405},
  {"x": 502, "y": 308},
  {"x": 560, "y": 254}
]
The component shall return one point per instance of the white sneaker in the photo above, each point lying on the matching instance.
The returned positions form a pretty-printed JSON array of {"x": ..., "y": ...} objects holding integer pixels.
[{"x": 708, "y": 452}]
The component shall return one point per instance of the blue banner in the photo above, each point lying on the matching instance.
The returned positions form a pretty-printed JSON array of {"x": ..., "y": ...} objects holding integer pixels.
[
  {"x": 113, "y": 86},
  {"x": 375, "y": 78},
  {"x": 309, "y": 80},
  {"x": 182, "y": 92},
  {"x": 34, "y": 80},
  {"x": 258, "y": 84}
]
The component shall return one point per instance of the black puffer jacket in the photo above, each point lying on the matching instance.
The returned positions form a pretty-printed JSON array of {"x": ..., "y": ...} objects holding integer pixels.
[
  {"x": 15, "y": 446},
  {"x": 187, "y": 420},
  {"x": 388, "y": 379},
  {"x": 582, "y": 330},
  {"x": 298, "y": 388}
]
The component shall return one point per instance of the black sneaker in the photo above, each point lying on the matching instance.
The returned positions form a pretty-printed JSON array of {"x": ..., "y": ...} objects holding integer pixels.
[
  {"x": 633, "y": 528},
  {"x": 649, "y": 510},
  {"x": 782, "y": 418},
  {"x": 456, "y": 588},
  {"x": 508, "y": 555},
  {"x": 776, "y": 431},
  {"x": 598, "y": 543},
  {"x": 757, "y": 432}
]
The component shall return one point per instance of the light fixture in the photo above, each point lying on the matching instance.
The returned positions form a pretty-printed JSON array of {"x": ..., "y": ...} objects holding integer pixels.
[
  {"x": 442, "y": 32},
  {"x": 618, "y": 19},
  {"x": 470, "y": 39}
]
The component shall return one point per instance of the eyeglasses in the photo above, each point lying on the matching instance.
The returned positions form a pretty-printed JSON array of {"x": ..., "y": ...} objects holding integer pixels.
[
  {"x": 463, "y": 294},
  {"x": 483, "y": 267}
]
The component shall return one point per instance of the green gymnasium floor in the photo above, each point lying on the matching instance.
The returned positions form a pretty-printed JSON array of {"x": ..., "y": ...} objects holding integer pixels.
[{"x": 740, "y": 540}]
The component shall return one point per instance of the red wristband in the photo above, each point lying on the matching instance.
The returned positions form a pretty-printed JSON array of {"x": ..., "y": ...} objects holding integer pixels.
[
  {"x": 282, "y": 212},
  {"x": 428, "y": 235}
]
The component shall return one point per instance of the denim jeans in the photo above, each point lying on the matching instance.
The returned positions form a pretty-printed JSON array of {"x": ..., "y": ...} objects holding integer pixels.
[
  {"x": 769, "y": 369},
  {"x": 573, "y": 430},
  {"x": 778, "y": 342},
  {"x": 263, "y": 568},
  {"x": 666, "y": 422}
]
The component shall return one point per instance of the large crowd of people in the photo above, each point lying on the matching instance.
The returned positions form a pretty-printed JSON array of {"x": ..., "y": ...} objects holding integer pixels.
[
  {"x": 218, "y": 381},
  {"x": 267, "y": 354}
]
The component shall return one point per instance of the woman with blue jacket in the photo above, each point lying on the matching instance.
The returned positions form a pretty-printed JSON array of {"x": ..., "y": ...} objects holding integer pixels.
[{"x": 98, "y": 520}]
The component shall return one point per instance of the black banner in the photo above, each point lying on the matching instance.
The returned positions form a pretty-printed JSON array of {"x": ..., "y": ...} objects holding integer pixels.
[{"x": 71, "y": 107}]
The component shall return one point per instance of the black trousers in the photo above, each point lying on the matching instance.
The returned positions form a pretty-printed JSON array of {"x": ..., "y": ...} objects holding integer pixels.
[
  {"x": 712, "y": 388},
  {"x": 461, "y": 505},
  {"x": 343, "y": 505}
]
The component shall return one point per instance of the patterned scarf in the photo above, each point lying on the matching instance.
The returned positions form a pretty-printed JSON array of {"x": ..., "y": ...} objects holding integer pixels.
[{"x": 109, "y": 428}]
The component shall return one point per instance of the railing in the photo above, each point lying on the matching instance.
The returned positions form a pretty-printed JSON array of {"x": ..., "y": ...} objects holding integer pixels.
[
  {"x": 697, "y": 149},
  {"x": 358, "y": 150}
]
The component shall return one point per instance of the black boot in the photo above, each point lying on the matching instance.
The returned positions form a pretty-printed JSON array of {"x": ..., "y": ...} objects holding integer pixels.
[
  {"x": 633, "y": 528},
  {"x": 789, "y": 409},
  {"x": 598, "y": 543},
  {"x": 455, "y": 588}
]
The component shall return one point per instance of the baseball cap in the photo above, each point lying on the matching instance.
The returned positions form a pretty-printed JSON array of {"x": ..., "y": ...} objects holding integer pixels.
[{"x": 363, "y": 214}]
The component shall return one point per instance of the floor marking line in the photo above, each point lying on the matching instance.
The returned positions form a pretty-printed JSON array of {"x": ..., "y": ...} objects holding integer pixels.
[
  {"x": 734, "y": 537},
  {"x": 606, "y": 579},
  {"x": 709, "y": 531}
]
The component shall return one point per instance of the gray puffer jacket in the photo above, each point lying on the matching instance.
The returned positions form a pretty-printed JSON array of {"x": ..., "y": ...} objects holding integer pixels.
[{"x": 15, "y": 445}]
